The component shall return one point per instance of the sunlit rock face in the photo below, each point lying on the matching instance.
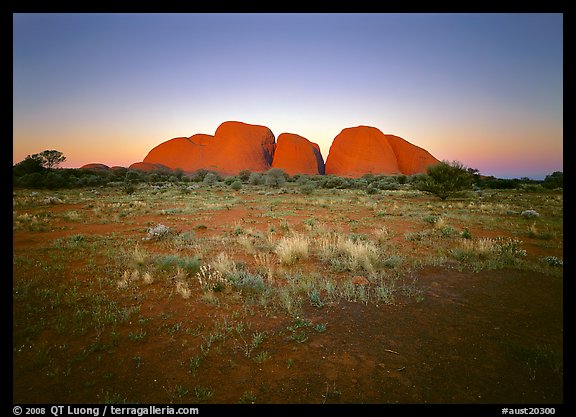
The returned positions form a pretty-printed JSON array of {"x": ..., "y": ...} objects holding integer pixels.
[
  {"x": 366, "y": 150},
  {"x": 188, "y": 154},
  {"x": 411, "y": 158},
  {"x": 235, "y": 146},
  {"x": 297, "y": 155},
  {"x": 238, "y": 146}
]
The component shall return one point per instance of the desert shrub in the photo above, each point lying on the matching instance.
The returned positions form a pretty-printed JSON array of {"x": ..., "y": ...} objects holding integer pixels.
[
  {"x": 248, "y": 283},
  {"x": 275, "y": 177},
  {"x": 532, "y": 188},
  {"x": 129, "y": 188},
  {"x": 28, "y": 166},
  {"x": 178, "y": 173},
  {"x": 93, "y": 180},
  {"x": 244, "y": 175},
  {"x": 308, "y": 187},
  {"x": 133, "y": 176},
  {"x": 30, "y": 180},
  {"x": 489, "y": 252},
  {"x": 199, "y": 175},
  {"x": 401, "y": 179},
  {"x": 445, "y": 179},
  {"x": 54, "y": 180},
  {"x": 188, "y": 264},
  {"x": 236, "y": 185},
  {"x": 210, "y": 178},
  {"x": 466, "y": 233},
  {"x": 332, "y": 181},
  {"x": 432, "y": 219},
  {"x": 371, "y": 188},
  {"x": 256, "y": 179},
  {"x": 387, "y": 184},
  {"x": 315, "y": 298},
  {"x": 554, "y": 180},
  {"x": 301, "y": 179}
]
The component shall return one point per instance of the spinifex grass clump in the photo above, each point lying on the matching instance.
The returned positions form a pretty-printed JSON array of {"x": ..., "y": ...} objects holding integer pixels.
[
  {"x": 489, "y": 252},
  {"x": 346, "y": 254},
  {"x": 211, "y": 279},
  {"x": 292, "y": 249},
  {"x": 167, "y": 262}
]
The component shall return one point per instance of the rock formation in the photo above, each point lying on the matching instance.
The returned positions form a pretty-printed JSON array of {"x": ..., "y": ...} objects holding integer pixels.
[
  {"x": 411, "y": 158},
  {"x": 238, "y": 146},
  {"x": 188, "y": 154},
  {"x": 362, "y": 150},
  {"x": 96, "y": 166},
  {"x": 234, "y": 147},
  {"x": 149, "y": 167},
  {"x": 297, "y": 155}
]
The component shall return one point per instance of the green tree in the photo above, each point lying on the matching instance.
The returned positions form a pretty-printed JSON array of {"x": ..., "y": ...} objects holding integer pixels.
[
  {"x": 29, "y": 165},
  {"x": 554, "y": 180},
  {"x": 446, "y": 179},
  {"x": 50, "y": 158}
]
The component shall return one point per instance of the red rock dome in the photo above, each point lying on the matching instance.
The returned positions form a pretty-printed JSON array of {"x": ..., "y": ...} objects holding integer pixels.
[
  {"x": 188, "y": 154},
  {"x": 238, "y": 146},
  {"x": 95, "y": 166},
  {"x": 148, "y": 167},
  {"x": 411, "y": 158},
  {"x": 361, "y": 150},
  {"x": 297, "y": 155},
  {"x": 234, "y": 147}
]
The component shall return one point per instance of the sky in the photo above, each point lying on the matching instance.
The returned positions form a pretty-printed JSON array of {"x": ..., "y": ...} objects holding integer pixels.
[{"x": 482, "y": 89}]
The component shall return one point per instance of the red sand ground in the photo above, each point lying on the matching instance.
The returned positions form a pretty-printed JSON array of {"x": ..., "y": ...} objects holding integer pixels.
[{"x": 472, "y": 339}]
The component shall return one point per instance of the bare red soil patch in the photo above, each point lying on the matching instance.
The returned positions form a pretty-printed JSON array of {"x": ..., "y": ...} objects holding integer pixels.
[{"x": 490, "y": 337}]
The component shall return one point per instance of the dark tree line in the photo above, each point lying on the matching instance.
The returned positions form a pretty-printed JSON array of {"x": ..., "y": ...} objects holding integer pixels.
[{"x": 445, "y": 179}]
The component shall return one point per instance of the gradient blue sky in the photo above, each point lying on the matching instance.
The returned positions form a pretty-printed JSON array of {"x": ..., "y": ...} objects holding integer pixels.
[{"x": 483, "y": 89}]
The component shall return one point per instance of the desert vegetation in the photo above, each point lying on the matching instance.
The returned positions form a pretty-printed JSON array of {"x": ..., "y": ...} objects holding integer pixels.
[{"x": 187, "y": 277}]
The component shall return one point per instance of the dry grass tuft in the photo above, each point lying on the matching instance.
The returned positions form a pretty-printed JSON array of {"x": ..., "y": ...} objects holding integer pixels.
[{"x": 292, "y": 249}]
